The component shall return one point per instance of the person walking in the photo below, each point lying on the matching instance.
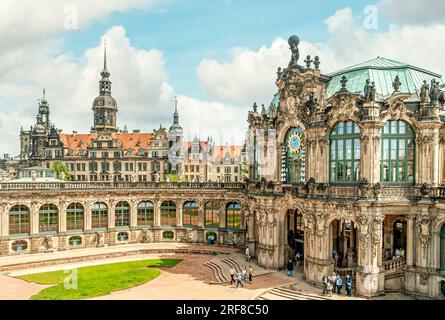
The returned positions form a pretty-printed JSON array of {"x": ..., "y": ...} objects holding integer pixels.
[
  {"x": 339, "y": 284},
  {"x": 232, "y": 275},
  {"x": 250, "y": 273},
  {"x": 329, "y": 286},
  {"x": 247, "y": 254},
  {"x": 324, "y": 281},
  {"x": 297, "y": 260},
  {"x": 239, "y": 280},
  {"x": 349, "y": 285},
  {"x": 290, "y": 268},
  {"x": 334, "y": 282},
  {"x": 244, "y": 274}
]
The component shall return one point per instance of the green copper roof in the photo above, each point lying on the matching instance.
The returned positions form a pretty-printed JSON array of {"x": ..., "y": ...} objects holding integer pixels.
[{"x": 383, "y": 72}]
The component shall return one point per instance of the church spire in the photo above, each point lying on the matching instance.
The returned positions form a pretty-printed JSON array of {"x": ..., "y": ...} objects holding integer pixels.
[
  {"x": 176, "y": 115},
  {"x": 105, "y": 83}
]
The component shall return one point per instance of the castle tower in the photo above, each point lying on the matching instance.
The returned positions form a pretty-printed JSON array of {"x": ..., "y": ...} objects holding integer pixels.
[
  {"x": 176, "y": 141},
  {"x": 104, "y": 106}
]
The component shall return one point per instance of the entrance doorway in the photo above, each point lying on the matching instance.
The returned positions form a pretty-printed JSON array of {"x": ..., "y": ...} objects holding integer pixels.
[
  {"x": 344, "y": 244},
  {"x": 295, "y": 232}
]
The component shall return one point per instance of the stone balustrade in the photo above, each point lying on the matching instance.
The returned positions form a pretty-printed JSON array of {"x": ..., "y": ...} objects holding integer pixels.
[
  {"x": 7, "y": 186},
  {"x": 394, "y": 264},
  {"x": 343, "y": 272}
]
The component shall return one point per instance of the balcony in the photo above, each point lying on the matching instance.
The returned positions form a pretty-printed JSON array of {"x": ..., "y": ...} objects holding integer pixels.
[{"x": 79, "y": 185}]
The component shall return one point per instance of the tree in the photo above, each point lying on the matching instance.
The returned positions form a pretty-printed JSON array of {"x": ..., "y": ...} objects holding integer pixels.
[
  {"x": 174, "y": 178},
  {"x": 60, "y": 167}
]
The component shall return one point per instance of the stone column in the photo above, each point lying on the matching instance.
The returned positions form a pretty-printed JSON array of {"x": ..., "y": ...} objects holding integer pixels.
[
  {"x": 222, "y": 216},
  {"x": 157, "y": 213},
  {"x": 133, "y": 214},
  {"x": 370, "y": 152},
  {"x": 62, "y": 217},
  {"x": 4, "y": 222},
  {"x": 179, "y": 214},
  {"x": 87, "y": 216},
  {"x": 34, "y": 218},
  {"x": 370, "y": 281},
  {"x": 201, "y": 214},
  {"x": 410, "y": 241},
  {"x": 111, "y": 216}
]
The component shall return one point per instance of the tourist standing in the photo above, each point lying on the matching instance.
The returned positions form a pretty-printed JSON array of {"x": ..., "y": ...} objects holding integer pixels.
[
  {"x": 250, "y": 273},
  {"x": 247, "y": 254},
  {"x": 297, "y": 259},
  {"x": 334, "y": 282},
  {"x": 290, "y": 268},
  {"x": 339, "y": 284},
  {"x": 329, "y": 286},
  {"x": 239, "y": 280},
  {"x": 349, "y": 285},
  {"x": 244, "y": 274},
  {"x": 325, "y": 284},
  {"x": 402, "y": 253},
  {"x": 232, "y": 275}
]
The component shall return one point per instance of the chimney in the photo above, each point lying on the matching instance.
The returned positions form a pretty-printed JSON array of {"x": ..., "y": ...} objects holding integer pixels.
[{"x": 136, "y": 130}]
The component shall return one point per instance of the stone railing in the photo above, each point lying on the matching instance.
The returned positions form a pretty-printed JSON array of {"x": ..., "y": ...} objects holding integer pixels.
[
  {"x": 343, "y": 272},
  {"x": 6, "y": 186},
  {"x": 439, "y": 192},
  {"x": 394, "y": 264}
]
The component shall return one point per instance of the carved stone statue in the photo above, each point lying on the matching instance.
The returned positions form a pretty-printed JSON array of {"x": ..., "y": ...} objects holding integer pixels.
[
  {"x": 435, "y": 91},
  {"x": 47, "y": 244},
  {"x": 372, "y": 92},
  {"x": 317, "y": 63},
  {"x": 33, "y": 176},
  {"x": 294, "y": 41},
  {"x": 424, "y": 92},
  {"x": 367, "y": 90},
  {"x": 98, "y": 239},
  {"x": 308, "y": 62},
  {"x": 396, "y": 84}
]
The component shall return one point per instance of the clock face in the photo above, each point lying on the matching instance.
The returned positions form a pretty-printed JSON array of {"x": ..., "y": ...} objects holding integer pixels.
[{"x": 295, "y": 142}]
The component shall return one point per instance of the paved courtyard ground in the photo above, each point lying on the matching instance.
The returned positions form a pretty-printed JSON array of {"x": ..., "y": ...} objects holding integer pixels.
[{"x": 189, "y": 280}]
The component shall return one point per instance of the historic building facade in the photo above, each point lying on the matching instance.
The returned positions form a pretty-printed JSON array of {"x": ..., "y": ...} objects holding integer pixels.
[{"x": 348, "y": 169}]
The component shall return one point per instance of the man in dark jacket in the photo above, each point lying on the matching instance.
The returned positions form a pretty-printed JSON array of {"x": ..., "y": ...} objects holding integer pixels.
[{"x": 290, "y": 268}]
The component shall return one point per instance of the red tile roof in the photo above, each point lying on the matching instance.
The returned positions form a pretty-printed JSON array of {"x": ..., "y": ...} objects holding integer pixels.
[
  {"x": 127, "y": 140},
  {"x": 220, "y": 152}
]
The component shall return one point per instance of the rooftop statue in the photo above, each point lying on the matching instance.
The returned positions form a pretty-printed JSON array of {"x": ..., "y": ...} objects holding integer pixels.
[
  {"x": 435, "y": 91},
  {"x": 396, "y": 84},
  {"x": 424, "y": 92},
  {"x": 294, "y": 41},
  {"x": 317, "y": 63},
  {"x": 369, "y": 91},
  {"x": 308, "y": 62}
]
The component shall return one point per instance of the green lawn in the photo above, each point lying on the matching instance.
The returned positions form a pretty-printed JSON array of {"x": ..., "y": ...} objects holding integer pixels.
[{"x": 98, "y": 280}]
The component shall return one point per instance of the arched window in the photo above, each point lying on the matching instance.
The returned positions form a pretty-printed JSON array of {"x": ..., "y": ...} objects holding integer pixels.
[
  {"x": 122, "y": 214},
  {"x": 74, "y": 217},
  {"x": 190, "y": 214},
  {"x": 233, "y": 215},
  {"x": 99, "y": 215},
  {"x": 211, "y": 214},
  {"x": 168, "y": 214},
  {"x": 145, "y": 213},
  {"x": 19, "y": 220},
  {"x": 293, "y": 157},
  {"x": 442, "y": 248},
  {"x": 344, "y": 153},
  {"x": 48, "y": 218},
  {"x": 397, "y": 160}
]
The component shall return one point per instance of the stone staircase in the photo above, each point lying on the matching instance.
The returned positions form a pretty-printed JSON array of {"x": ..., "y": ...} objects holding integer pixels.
[
  {"x": 283, "y": 293},
  {"x": 221, "y": 265}
]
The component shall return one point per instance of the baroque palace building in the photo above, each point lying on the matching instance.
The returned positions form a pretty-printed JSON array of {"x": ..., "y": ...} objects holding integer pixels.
[{"x": 346, "y": 168}]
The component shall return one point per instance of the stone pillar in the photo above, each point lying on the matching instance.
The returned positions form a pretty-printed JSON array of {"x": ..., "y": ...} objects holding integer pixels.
[
  {"x": 34, "y": 218},
  {"x": 133, "y": 214},
  {"x": 410, "y": 241},
  {"x": 87, "y": 216},
  {"x": 201, "y": 214},
  {"x": 111, "y": 216},
  {"x": 62, "y": 217},
  {"x": 157, "y": 213},
  {"x": 179, "y": 210},
  {"x": 4, "y": 216},
  {"x": 370, "y": 151},
  {"x": 370, "y": 281}
]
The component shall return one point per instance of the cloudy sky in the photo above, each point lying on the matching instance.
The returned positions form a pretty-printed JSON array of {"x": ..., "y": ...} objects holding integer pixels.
[{"x": 217, "y": 56}]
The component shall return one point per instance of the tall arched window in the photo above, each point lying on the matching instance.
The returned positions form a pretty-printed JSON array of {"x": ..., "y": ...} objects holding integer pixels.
[
  {"x": 99, "y": 216},
  {"x": 211, "y": 215},
  {"x": 233, "y": 215},
  {"x": 145, "y": 213},
  {"x": 48, "y": 218},
  {"x": 442, "y": 248},
  {"x": 19, "y": 220},
  {"x": 74, "y": 217},
  {"x": 344, "y": 153},
  {"x": 122, "y": 214},
  {"x": 293, "y": 157},
  {"x": 190, "y": 214},
  {"x": 168, "y": 214},
  {"x": 397, "y": 160},
  {"x": 399, "y": 233}
]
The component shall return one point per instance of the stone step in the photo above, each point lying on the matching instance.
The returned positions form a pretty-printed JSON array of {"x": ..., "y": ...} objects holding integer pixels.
[{"x": 298, "y": 293}]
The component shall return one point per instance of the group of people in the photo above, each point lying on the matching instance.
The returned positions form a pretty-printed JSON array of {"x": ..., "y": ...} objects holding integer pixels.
[
  {"x": 398, "y": 253},
  {"x": 334, "y": 284},
  {"x": 241, "y": 277}
]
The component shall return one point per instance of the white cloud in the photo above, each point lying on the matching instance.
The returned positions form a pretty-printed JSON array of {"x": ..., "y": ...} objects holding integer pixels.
[
  {"x": 35, "y": 20},
  {"x": 414, "y": 11}
]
